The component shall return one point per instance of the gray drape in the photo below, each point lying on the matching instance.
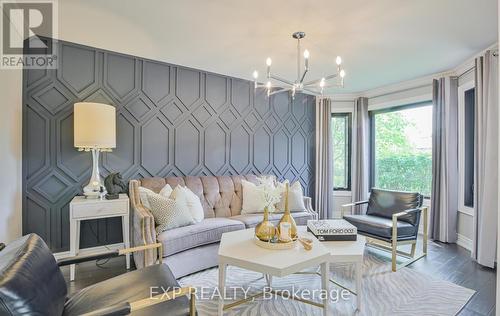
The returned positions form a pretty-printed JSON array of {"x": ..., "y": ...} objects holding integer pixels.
[
  {"x": 444, "y": 196},
  {"x": 324, "y": 155},
  {"x": 361, "y": 171},
  {"x": 486, "y": 161}
]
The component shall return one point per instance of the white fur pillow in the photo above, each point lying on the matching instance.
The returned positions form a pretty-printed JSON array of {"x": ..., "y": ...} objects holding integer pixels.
[
  {"x": 185, "y": 196},
  {"x": 168, "y": 213},
  {"x": 252, "y": 198},
  {"x": 295, "y": 198}
]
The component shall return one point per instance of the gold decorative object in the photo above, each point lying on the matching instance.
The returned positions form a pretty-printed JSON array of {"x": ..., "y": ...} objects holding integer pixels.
[
  {"x": 276, "y": 245},
  {"x": 287, "y": 217},
  {"x": 265, "y": 230}
]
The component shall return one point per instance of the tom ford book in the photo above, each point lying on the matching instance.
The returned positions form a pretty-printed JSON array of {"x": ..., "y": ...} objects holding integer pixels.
[{"x": 332, "y": 230}]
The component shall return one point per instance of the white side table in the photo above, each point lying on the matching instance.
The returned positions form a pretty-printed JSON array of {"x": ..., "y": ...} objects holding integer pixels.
[{"x": 82, "y": 209}]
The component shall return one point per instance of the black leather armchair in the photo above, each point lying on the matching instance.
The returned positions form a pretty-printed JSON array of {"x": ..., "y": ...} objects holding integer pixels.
[
  {"x": 31, "y": 283},
  {"x": 392, "y": 218}
]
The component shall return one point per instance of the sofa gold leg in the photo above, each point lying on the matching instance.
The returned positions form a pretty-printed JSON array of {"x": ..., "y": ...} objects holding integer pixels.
[{"x": 192, "y": 304}]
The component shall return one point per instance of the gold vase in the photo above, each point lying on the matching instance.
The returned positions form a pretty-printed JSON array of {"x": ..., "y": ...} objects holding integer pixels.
[
  {"x": 265, "y": 230},
  {"x": 287, "y": 217}
]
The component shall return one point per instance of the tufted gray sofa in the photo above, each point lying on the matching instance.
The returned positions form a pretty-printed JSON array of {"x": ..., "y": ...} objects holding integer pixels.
[{"x": 193, "y": 248}]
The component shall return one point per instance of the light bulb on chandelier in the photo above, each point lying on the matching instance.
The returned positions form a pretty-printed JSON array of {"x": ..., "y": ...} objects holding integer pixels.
[{"x": 314, "y": 87}]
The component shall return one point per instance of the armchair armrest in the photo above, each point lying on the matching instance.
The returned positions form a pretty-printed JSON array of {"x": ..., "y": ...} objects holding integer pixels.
[
  {"x": 343, "y": 207},
  {"x": 309, "y": 208},
  {"x": 106, "y": 255},
  {"x": 395, "y": 217},
  {"x": 143, "y": 227},
  {"x": 129, "y": 307}
]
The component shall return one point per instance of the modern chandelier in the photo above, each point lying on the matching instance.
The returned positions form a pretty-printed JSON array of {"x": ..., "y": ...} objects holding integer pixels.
[{"x": 314, "y": 87}]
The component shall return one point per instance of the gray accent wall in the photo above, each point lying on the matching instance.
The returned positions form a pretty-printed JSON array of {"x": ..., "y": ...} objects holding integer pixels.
[{"x": 171, "y": 121}]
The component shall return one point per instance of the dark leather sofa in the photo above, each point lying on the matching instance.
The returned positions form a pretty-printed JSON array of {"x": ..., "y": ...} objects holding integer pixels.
[
  {"x": 31, "y": 283},
  {"x": 392, "y": 218}
]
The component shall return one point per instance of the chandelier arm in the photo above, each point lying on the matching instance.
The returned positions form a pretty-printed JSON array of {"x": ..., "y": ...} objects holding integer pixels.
[
  {"x": 303, "y": 75},
  {"x": 280, "y": 91},
  {"x": 311, "y": 91},
  {"x": 313, "y": 82},
  {"x": 281, "y": 80}
]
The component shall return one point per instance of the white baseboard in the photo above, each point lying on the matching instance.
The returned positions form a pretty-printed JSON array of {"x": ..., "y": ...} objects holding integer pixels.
[
  {"x": 464, "y": 242},
  {"x": 90, "y": 251}
]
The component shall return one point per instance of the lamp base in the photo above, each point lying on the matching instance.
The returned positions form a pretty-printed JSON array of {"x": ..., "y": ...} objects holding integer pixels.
[{"x": 94, "y": 189}]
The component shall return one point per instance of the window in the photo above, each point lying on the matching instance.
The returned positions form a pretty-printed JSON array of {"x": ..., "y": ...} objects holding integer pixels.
[
  {"x": 341, "y": 136},
  {"x": 401, "y": 148},
  {"x": 468, "y": 151}
]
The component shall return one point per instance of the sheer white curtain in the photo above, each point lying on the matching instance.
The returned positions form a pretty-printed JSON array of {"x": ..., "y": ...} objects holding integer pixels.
[
  {"x": 324, "y": 159},
  {"x": 486, "y": 161}
]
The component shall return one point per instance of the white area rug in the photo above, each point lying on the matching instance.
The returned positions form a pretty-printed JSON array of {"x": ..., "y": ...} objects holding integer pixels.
[{"x": 405, "y": 292}]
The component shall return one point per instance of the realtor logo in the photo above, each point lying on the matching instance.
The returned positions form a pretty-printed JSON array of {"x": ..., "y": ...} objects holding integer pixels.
[{"x": 28, "y": 29}]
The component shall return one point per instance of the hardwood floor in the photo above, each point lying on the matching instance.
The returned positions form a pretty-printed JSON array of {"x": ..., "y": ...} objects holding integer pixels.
[{"x": 444, "y": 261}]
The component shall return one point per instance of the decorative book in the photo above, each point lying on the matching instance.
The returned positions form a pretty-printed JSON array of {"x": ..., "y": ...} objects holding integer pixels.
[{"x": 332, "y": 230}]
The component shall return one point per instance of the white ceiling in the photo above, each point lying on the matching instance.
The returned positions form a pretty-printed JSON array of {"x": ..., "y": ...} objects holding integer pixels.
[{"x": 381, "y": 42}]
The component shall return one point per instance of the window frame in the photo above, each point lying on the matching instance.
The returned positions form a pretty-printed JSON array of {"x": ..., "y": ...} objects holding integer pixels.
[
  {"x": 348, "y": 116},
  {"x": 371, "y": 115}
]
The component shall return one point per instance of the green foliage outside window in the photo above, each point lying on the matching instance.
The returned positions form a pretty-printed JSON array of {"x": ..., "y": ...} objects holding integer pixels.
[{"x": 403, "y": 152}]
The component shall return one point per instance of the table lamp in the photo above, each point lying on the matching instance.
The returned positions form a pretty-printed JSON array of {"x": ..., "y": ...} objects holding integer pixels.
[{"x": 95, "y": 132}]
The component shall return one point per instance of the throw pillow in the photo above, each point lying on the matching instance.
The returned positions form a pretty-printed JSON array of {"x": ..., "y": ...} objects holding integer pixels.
[
  {"x": 185, "y": 196},
  {"x": 168, "y": 213},
  {"x": 166, "y": 191},
  {"x": 295, "y": 197},
  {"x": 143, "y": 196},
  {"x": 252, "y": 198}
]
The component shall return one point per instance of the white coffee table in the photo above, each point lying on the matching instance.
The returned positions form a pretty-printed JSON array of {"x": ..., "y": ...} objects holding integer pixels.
[
  {"x": 239, "y": 249},
  {"x": 345, "y": 252}
]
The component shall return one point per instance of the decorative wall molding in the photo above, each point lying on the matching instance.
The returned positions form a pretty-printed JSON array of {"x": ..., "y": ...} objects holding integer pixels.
[{"x": 171, "y": 121}]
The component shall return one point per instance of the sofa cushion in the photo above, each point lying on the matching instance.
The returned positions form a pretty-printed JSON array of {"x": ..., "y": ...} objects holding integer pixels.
[
  {"x": 380, "y": 226},
  {"x": 251, "y": 220},
  {"x": 130, "y": 287},
  {"x": 207, "y": 231}
]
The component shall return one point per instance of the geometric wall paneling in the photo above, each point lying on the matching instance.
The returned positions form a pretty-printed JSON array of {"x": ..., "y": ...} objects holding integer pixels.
[
  {"x": 120, "y": 75},
  {"x": 78, "y": 68},
  {"x": 239, "y": 152},
  {"x": 186, "y": 147},
  {"x": 155, "y": 139},
  {"x": 240, "y": 95},
  {"x": 155, "y": 81},
  {"x": 299, "y": 106},
  {"x": 215, "y": 148},
  {"x": 100, "y": 96},
  {"x": 171, "y": 121},
  {"x": 262, "y": 150},
  {"x": 299, "y": 151},
  {"x": 122, "y": 158},
  {"x": 35, "y": 141},
  {"x": 272, "y": 123},
  {"x": 215, "y": 91},
  {"x": 188, "y": 86},
  {"x": 281, "y": 103},
  {"x": 54, "y": 97},
  {"x": 139, "y": 107},
  {"x": 262, "y": 103},
  {"x": 280, "y": 150}
]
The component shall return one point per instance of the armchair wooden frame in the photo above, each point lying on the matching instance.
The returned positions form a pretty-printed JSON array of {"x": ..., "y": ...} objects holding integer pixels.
[
  {"x": 128, "y": 307},
  {"x": 392, "y": 246}
]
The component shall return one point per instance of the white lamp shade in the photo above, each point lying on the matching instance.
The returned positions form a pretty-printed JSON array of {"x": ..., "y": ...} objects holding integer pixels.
[{"x": 94, "y": 125}]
